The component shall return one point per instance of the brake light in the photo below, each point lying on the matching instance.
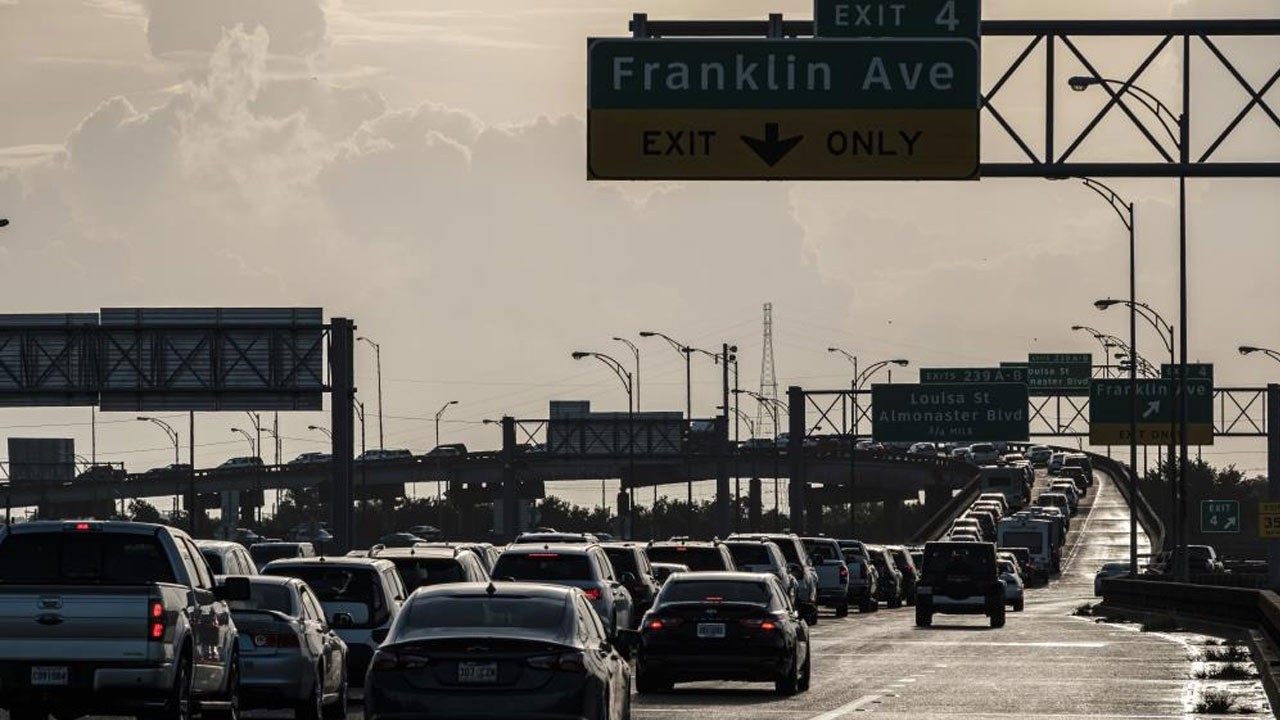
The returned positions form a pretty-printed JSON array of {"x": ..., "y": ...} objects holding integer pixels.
[
  {"x": 82, "y": 527},
  {"x": 844, "y": 571},
  {"x": 390, "y": 660},
  {"x": 544, "y": 556},
  {"x": 759, "y": 624},
  {"x": 714, "y": 598},
  {"x": 664, "y": 623},
  {"x": 155, "y": 619},
  {"x": 564, "y": 662},
  {"x": 593, "y": 594}
]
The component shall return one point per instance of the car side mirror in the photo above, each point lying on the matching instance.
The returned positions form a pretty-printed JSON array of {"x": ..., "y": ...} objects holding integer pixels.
[
  {"x": 343, "y": 620},
  {"x": 627, "y": 578},
  {"x": 379, "y": 636},
  {"x": 233, "y": 588},
  {"x": 793, "y": 568}
]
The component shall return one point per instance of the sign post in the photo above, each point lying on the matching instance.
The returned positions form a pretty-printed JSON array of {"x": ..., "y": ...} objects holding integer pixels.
[
  {"x": 950, "y": 412},
  {"x": 1220, "y": 516}
]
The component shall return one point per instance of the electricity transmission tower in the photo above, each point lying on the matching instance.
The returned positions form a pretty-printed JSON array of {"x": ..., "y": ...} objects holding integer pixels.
[{"x": 766, "y": 416}]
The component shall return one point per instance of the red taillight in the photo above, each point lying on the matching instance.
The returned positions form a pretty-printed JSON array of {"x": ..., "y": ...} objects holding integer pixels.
[
  {"x": 544, "y": 556},
  {"x": 715, "y": 598},
  {"x": 564, "y": 662},
  {"x": 759, "y": 624},
  {"x": 664, "y": 623},
  {"x": 389, "y": 660},
  {"x": 844, "y": 571},
  {"x": 83, "y": 527},
  {"x": 155, "y": 620},
  {"x": 593, "y": 594}
]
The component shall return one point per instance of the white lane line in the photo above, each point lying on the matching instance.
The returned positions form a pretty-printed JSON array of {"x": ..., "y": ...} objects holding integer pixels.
[
  {"x": 847, "y": 708},
  {"x": 1084, "y": 528}
]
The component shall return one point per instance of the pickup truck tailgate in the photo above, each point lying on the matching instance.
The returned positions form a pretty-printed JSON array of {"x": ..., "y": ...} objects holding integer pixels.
[{"x": 84, "y": 624}]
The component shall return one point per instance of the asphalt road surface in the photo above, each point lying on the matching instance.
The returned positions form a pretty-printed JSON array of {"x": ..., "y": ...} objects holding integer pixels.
[{"x": 1044, "y": 663}]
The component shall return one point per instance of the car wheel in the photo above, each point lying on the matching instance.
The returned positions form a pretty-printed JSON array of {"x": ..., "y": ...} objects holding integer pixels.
[
  {"x": 337, "y": 710},
  {"x": 867, "y": 606},
  {"x": 178, "y": 704},
  {"x": 924, "y": 618},
  {"x": 895, "y": 603},
  {"x": 789, "y": 683},
  {"x": 312, "y": 708},
  {"x": 997, "y": 618},
  {"x": 232, "y": 697},
  {"x": 28, "y": 713},
  {"x": 842, "y": 610},
  {"x": 1018, "y": 605},
  {"x": 648, "y": 683},
  {"x": 807, "y": 674}
]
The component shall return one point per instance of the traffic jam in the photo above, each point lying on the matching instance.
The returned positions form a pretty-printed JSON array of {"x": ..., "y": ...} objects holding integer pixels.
[{"x": 109, "y": 618}]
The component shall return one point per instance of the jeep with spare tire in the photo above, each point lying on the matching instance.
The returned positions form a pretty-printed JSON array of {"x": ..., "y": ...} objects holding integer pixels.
[{"x": 960, "y": 578}]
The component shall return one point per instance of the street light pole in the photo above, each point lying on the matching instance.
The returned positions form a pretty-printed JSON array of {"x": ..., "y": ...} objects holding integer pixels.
[
  {"x": 636, "y": 352},
  {"x": 1124, "y": 210},
  {"x": 377, "y": 353},
  {"x": 168, "y": 430},
  {"x": 440, "y": 414},
  {"x": 1180, "y": 135},
  {"x": 860, "y": 378},
  {"x": 627, "y": 384},
  {"x": 253, "y": 449}
]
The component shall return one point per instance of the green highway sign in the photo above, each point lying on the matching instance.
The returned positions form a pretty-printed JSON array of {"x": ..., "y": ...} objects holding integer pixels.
[
  {"x": 783, "y": 109},
  {"x": 1059, "y": 373},
  {"x": 931, "y": 376},
  {"x": 702, "y": 74},
  {"x": 950, "y": 412},
  {"x": 1220, "y": 516},
  {"x": 1195, "y": 371},
  {"x": 1110, "y": 408},
  {"x": 878, "y": 18}
]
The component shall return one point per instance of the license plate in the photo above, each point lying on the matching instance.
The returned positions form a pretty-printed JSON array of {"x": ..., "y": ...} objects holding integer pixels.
[
  {"x": 711, "y": 630},
  {"x": 477, "y": 673},
  {"x": 49, "y": 676}
]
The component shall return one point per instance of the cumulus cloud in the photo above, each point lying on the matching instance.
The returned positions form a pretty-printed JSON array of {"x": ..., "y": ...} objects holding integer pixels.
[{"x": 296, "y": 27}]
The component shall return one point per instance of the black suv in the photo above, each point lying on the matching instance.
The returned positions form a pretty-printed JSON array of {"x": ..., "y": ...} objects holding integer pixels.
[
  {"x": 959, "y": 578},
  {"x": 631, "y": 558},
  {"x": 697, "y": 555}
]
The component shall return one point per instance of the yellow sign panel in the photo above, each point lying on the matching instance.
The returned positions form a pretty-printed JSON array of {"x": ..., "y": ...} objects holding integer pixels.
[
  {"x": 782, "y": 144},
  {"x": 1269, "y": 520},
  {"x": 1148, "y": 434}
]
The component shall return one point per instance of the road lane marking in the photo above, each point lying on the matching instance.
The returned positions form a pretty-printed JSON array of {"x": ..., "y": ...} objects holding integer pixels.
[{"x": 847, "y": 708}]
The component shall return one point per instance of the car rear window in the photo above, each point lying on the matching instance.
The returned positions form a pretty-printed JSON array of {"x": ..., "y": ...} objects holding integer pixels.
[
  {"x": 750, "y": 554},
  {"x": 542, "y": 566},
  {"x": 690, "y": 590},
  {"x": 263, "y": 554},
  {"x": 823, "y": 551},
  {"x": 351, "y": 590},
  {"x": 472, "y": 611},
  {"x": 95, "y": 558},
  {"x": 973, "y": 559},
  {"x": 421, "y": 572},
  {"x": 214, "y": 560},
  {"x": 623, "y": 560},
  {"x": 699, "y": 559},
  {"x": 264, "y": 596}
]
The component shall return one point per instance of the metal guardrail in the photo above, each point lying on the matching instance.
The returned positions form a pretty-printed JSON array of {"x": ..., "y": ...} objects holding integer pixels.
[{"x": 941, "y": 521}]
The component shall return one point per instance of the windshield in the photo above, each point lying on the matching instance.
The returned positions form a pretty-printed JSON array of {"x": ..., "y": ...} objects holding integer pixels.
[
  {"x": 542, "y": 566},
  {"x": 692, "y": 590},
  {"x": 1032, "y": 541},
  {"x": 697, "y": 558},
  {"x": 750, "y": 554},
  {"x": 61, "y": 558},
  {"x": 822, "y": 551},
  {"x": 214, "y": 560},
  {"x": 531, "y": 613},
  {"x": 421, "y": 572},
  {"x": 623, "y": 560},
  {"x": 351, "y": 590},
  {"x": 263, "y": 554}
]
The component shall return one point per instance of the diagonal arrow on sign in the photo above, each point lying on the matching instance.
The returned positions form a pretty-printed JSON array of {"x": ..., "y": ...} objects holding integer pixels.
[
  {"x": 1230, "y": 524},
  {"x": 1153, "y": 408},
  {"x": 772, "y": 148}
]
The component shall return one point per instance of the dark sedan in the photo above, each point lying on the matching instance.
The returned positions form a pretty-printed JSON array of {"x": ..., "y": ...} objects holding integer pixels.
[
  {"x": 500, "y": 650},
  {"x": 723, "y": 626}
]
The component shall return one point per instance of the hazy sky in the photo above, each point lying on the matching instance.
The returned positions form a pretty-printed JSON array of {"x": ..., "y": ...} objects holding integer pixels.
[{"x": 420, "y": 167}]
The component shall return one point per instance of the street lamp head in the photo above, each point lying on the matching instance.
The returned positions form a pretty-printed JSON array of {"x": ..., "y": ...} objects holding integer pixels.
[
  {"x": 1248, "y": 349},
  {"x": 1077, "y": 328},
  {"x": 452, "y": 402},
  {"x": 313, "y": 427},
  {"x": 1080, "y": 83},
  {"x": 831, "y": 349},
  {"x": 144, "y": 419},
  {"x": 901, "y": 362},
  {"x": 236, "y": 430},
  {"x": 647, "y": 333},
  {"x": 4, "y": 222},
  {"x": 579, "y": 355},
  {"x": 1104, "y": 304}
]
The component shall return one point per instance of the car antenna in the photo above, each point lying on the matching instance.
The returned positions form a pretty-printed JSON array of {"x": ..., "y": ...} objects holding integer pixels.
[{"x": 491, "y": 589}]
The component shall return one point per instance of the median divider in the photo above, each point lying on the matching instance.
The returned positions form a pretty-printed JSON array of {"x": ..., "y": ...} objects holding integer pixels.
[{"x": 941, "y": 520}]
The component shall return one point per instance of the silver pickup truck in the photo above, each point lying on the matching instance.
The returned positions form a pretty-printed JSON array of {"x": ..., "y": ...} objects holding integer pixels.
[{"x": 113, "y": 618}]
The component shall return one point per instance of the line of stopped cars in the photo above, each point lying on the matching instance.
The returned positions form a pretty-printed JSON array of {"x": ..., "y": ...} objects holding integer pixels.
[{"x": 106, "y": 617}]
